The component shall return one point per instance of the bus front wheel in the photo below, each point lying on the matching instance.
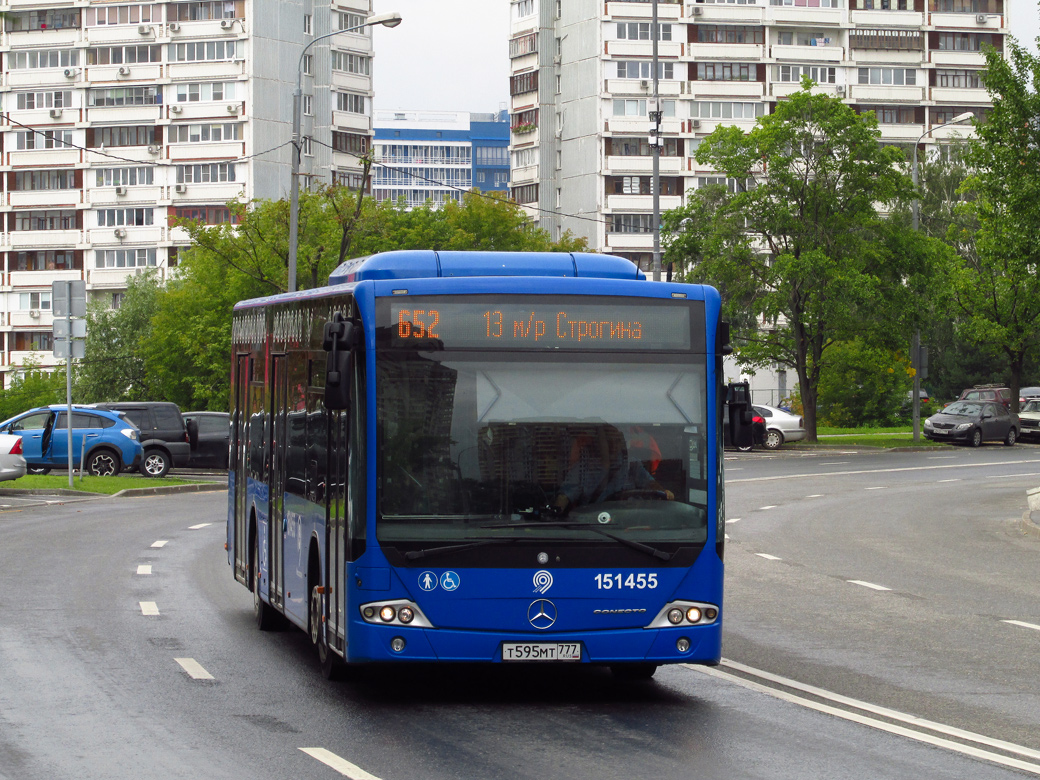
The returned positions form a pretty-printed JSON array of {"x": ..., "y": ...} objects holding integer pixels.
[
  {"x": 266, "y": 617},
  {"x": 332, "y": 666}
]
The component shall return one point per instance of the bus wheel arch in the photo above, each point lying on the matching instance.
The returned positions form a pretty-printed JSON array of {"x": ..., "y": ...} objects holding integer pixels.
[{"x": 264, "y": 614}]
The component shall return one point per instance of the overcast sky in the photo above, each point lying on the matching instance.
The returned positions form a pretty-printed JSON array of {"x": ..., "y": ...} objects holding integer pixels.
[{"x": 452, "y": 55}]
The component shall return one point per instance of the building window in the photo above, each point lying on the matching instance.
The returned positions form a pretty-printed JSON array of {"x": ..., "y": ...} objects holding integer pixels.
[
  {"x": 132, "y": 135},
  {"x": 124, "y": 55},
  {"x": 731, "y": 185},
  {"x": 950, "y": 41},
  {"x": 895, "y": 76},
  {"x": 640, "y": 31},
  {"x": 522, "y": 45},
  {"x": 101, "y": 16},
  {"x": 524, "y": 121},
  {"x": 124, "y": 96},
  {"x": 45, "y": 180},
  {"x": 959, "y": 79},
  {"x": 350, "y": 143},
  {"x": 964, "y": 6},
  {"x": 207, "y": 215},
  {"x": 213, "y": 9},
  {"x": 803, "y": 38},
  {"x": 883, "y": 5},
  {"x": 642, "y": 185},
  {"x": 204, "y": 91},
  {"x": 523, "y": 82},
  {"x": 631, "y": 223},
  {"x": 350, "y": 102},
  {"x": 32, "y": 100},
  {"x": 885, "y": 39},
  {"x": 33, "y": 342},
  {"x": 523, "y": 8},
  {"x": 807, "y": 3},
  {"x": 206, "y": 173},
  {"x": 206, "y": 51},
  {"x": 947, "y": 113},
  {"x": 727, "y": 71},
  {"x": 793, "y": 73},
  {"x": 704, "y": 109},
  {"x": 351, "y": 63},
  {"x": 895, "y": 115},
  {"x": 209, "y": 133},
  {"x": 722, "y": 33},
  {"x": 42, "y": 19},
  {"x": 43, "y": 139},
  {"x": 348, "y": 20},
  {"x": 124, "y": 258},
  {"x": 641, "y": 69},
  {"x": 50, "y": 260},
  {"x": 134, "y": 217},
  {"x": 126, "y": 177},
  {"x": 308, "y": 64},
  {"x": 307, "y": 24},
  {"x": 64, "y": 219},
  {"x": 42, "y": 58},
  {"x": 640, "y": 147},
  {"x": 527, "y": 193},
  {"x": 524, "y": 158}
]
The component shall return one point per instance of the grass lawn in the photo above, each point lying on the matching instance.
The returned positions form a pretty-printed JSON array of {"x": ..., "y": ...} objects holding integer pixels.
[
  {"x": 90, "y": 484},
  {"x": 884, "y": 438}
]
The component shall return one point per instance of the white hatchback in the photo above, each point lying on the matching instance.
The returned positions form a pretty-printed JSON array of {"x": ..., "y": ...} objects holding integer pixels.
[
  {"x": 781, "y": 426},
  {"x": 12, "y": 462}
]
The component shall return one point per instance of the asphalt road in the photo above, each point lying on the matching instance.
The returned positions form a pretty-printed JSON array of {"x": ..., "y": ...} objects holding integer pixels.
[{"x": 91, "y": 685}]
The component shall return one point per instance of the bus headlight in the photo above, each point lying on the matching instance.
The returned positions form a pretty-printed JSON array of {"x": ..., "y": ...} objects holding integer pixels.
[
  {"x": 685, "y": 613},
  {"x": 394, "y": 612}
]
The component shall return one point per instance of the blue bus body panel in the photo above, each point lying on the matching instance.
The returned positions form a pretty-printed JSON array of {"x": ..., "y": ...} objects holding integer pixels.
[{"x": 427, "y": 264}]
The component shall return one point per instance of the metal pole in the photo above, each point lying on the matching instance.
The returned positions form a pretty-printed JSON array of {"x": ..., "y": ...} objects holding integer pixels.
[
  {"x": 655, "y": 150},
  {"x": 68, "y": 372}
]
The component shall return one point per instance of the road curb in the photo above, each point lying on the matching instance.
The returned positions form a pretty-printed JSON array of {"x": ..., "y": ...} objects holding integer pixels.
[
  {"x": 158, "y": 490},
  {"x": 1029, "y": 524}
]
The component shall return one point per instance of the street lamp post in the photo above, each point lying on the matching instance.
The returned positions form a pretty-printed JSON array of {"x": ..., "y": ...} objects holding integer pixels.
[
  {"x": 916, "y": 349},
  {"x": 655, "y": 147},
  {"x": 386, "y": 20}
]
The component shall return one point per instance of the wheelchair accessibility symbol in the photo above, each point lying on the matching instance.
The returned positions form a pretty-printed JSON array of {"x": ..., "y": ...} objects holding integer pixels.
[{"x": 449, "y": 580}]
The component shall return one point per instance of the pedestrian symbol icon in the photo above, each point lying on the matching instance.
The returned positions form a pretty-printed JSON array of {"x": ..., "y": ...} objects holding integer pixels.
[
  {"x": 427, "y": 581},
  {"x": 449, "y": 580}
]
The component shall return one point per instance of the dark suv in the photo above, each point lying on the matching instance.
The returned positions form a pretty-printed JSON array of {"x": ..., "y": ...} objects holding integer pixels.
[
  {"x": 998, "y": 393},
  {"x": 164, "y": 435}
]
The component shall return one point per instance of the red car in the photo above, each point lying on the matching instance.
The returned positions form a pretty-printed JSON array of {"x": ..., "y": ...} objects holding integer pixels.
[{"x": 997, "y": 393}]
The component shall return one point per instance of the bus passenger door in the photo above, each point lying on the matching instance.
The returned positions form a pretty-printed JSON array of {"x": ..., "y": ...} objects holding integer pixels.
[
  {"x": 240, "y": 464},
  {"x": 276, "y": 513}
]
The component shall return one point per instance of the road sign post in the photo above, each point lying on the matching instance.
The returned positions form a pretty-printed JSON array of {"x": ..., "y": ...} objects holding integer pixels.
[{"x": 68, "y": 301}]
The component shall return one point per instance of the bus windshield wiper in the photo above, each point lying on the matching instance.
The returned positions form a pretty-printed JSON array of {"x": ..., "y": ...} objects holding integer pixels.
[
  {"x": 414, "y": 555},
  {"x": 643, "y": 548}
]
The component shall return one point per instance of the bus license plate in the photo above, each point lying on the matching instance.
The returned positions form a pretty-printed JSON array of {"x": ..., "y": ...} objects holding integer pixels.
[{"x": 541, "y": 651}]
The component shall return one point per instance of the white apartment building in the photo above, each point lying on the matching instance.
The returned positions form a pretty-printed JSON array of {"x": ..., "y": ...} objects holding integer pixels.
[
  {"x": 582, "y": 81},
  {"x": 117, "y": 118}
]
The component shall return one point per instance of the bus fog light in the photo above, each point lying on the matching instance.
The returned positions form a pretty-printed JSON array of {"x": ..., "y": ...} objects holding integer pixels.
[
  {"x": 370, "y": 612},
  {"x": 675, "y": 616},
  {"x": 711, "y": 613},
  {"x": 682, "y": 644},
  {"x": 405, "y": 615},
  {"x": 693, "y": 615},
  {"x": 386, "y": 614},
  {"x": 397, "y": 644}
]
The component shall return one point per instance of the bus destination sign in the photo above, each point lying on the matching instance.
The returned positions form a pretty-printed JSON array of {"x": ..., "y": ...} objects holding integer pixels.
[{"x": 586, "y": 324}]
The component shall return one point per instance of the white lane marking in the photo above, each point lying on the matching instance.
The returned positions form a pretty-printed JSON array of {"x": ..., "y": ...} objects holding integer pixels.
[
  {"x": 881, "y": 725},
  {"x": 941, "y": 457},
  {"x": 1033, "y": 626},
  {"x": 874, "y": 709},
  {"x": 160, "y": 543},
  {"x": 836, "y": 463},
  {"x": 882, "y": 487},
  {"x": 815, "y": 495},
  {"x": 768, "y": 557},
  {"x": 144, "y": 568},
  {"x": 865, "y": 584},
  {"x": 818, "y": 474},
  {"x": 771, "y": 506},
  {"x": 733, "y": 520},
  {"x": 197, "y": 527},
  {"x": 341, "y": 765},
  {"x": 949, "y": 480},
  {"x": 149, "y": 608},
  {"x": 194, "y": 669}
]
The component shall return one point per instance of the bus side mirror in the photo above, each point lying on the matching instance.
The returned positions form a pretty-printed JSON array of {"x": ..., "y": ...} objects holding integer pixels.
[{"x": 340, "y": 338}]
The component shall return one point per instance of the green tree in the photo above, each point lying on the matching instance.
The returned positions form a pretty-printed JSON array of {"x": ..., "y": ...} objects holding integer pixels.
[
  {"x": 997, "y": 288},
  {"x": 863, "y": 385},
  {"x": 30, "y": 387},
  {"x": 794, "y": 240},
  {"x": 113, "y": 368}
]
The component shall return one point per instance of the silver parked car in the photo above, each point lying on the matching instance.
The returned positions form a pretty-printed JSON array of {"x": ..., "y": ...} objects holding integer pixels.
[{"x": 781, "y": 426}]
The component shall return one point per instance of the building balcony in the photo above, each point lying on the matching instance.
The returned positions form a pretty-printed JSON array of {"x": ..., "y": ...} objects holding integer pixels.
[
  {"x": 115, "y": 278},
  {"x": 630, "y": 125},
  {"x": 44, "y": 198},
  {"x": 200, "y": 71},
  {"x": 807, "y": 53},
  {"x": 41, "y": 279},
  {"x": 886, "y": 19},
  {"x": 644, "y": 87},
  {"x": 148, "y": 72},
  {"x": 129, "y": 237},
  {"x": 19, "y": 240},
  {"x": 711, "y": 13},
  {"x": 667, "y": 49},
  {"x": 208, "y": 192},
  {"x": 620, "y": 242},
  {"x": 865, "y": 93},
  {"x": 700, "y": 90},
  {"x": 24, "y": 318},
  {"x": 50, "y": 38},
  {"x": 741, "y": 52},
  {"x": 352, "y": 82},
  {"x": 118, "y": 33},
  {"x": 40, "y": 76},
  {"x": 906, "y": 133},
  {"x": 357, "y": 123},
  {"x": 956, "y": 59},
  {"x": 958, "y": 96},
  {"x": 907, "y": 57},
  {"x": 210, "y": 110},
  {"x": 951, "y": 133},
  {"x": 45, "y": 359},
  {"x": 144, "y": 195},
  {"x": 44, "y": 158},
  {"x": 666, "y": 12},
  {"x": 705, "y": 126},
  {"x": 965, "y": 21},
  {"x": 805, "y": 17},
  {"x": 108, "y": 115},
  {"x": 525, "y": 175},
  {"x": 221, "y": 150},
  {"x": 629, "y": 164},
  {"x": 645, "y": 203},
  {"x": 43, "y": 116}
]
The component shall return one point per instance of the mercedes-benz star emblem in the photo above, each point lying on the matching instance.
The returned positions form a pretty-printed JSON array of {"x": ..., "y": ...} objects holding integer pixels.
[{"x": 542, "y": 614}]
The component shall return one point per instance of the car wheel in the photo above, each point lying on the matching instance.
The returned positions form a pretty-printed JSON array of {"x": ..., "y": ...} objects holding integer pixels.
[
  {"x": 155, "y": 464},
  {"x": 774, "y": 440},
  {"x": 1011, "y": 437},
  {"x": 975, "y": 440},
  {"x": 37, "y": 470},
  {"x": 103, "y": 463}
]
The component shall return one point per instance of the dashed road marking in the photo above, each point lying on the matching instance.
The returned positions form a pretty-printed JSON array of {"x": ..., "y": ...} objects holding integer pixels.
[
  {"x": 949, "y": 480},
  {"x": 144, "y": 568},
  {"x": 771, "y": 506},
  {"x": 768, "y": 557},
  {"x": 815, "y": 495},
  {"x": 341, "y": 765},
  {"x": 197, "y": 527},
  {"x": 160, "y": 543},
  {"x": 194, "y": 669},
  {"x": 1033, "y": 626},
  {"x": 149, "y": 608},
  {"x": 836, "y": 463},
  {"x": 733, "y": 520},
  {"x": 879, "y": 487},
  {"x": 865, "y": 584}
]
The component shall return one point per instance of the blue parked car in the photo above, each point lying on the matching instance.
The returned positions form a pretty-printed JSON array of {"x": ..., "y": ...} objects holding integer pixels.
[{"x": 106, "y": 442}]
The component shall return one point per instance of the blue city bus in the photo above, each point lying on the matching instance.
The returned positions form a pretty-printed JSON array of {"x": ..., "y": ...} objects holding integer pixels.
[{"x": 483, "y": 457}]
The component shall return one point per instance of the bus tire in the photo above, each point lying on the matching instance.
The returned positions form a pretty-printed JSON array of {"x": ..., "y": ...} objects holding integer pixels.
[
  {"x": 264, "y": 614},
  {"x": 331, "y": 664},
  {"x": 633, "y": 671}
]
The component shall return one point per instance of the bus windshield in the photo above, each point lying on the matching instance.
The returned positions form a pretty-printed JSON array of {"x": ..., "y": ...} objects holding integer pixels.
[{"x": 481, "y": 445}]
